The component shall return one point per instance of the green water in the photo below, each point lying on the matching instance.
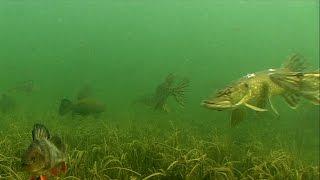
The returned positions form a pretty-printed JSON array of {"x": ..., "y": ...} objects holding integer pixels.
[{"x": 124, "y": 49}]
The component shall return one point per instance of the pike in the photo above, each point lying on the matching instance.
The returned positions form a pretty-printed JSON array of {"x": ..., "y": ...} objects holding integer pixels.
[{"x": 254, "y": 91}]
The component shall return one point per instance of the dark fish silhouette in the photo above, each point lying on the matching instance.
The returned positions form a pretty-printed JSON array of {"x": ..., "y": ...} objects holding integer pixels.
[
  {"x": 168, "y": 88},
  {"x": 83, "y": 107},
  {"x": 7, "y": 103},
  {"x": 84, "y": 92},
  {"x": 25, "y": 87}
]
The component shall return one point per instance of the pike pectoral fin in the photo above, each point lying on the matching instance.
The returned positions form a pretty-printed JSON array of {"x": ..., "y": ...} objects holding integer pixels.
[
  {"x": 255, "y": 107},
  {"x": 291, "y": 99},
  {"x": 272, "y": 107},
  {"x": 237, "y": 116}
]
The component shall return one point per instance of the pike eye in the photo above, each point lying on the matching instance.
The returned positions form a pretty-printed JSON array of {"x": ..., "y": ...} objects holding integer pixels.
[{"x": 246, "y": 85}]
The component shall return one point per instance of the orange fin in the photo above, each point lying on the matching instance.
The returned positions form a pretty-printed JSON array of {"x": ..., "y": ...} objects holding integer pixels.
[
  {"x": 43, "y": 177},
  {"x": 56, "y": 171},
  {"x": 64, "y": 167}
]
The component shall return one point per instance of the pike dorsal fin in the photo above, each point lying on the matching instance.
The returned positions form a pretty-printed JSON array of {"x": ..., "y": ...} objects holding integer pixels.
[
  {"x": 58, "y": 143},
  {"x": 295, "y": 63},
  {"x": 40, "y": 132},
  {"x": 237, "y": 115}
]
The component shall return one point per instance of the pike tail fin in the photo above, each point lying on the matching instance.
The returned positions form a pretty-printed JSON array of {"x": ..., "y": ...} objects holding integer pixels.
[
  {"x": 310, "y": 87},
  {"x": 301, "y": 84}
]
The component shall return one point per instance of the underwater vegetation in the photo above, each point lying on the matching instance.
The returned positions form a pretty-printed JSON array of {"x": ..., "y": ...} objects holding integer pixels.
[
  {"x": 95, "y": 148},
  {"x": 147, "y": 151}
]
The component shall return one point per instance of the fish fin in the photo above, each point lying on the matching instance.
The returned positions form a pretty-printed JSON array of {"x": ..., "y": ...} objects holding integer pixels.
[
  {"x": 295, "y": 63},
  {"x": 261, "y": 102},
  {"x": 313, "y": 97},
  {"x": 43, "y": 177},
  {"x": 237, "y": 115},
  {"x": 170, "y": 79},
  {"x": 290, "y": 81},
  {"x": 40, "y": 132},
  {"x": 65, "y": 106},
  {"x": 255, "y": 107},
  {"x": 310, "y": 87},
  {"x": 291, "y": 99},
  {"x": 58, "y": 143},
  {"x": 242, "y": 101},
  {"x": 84, "y": 92},
  {"x": 179, "y": 91},
  {"x": 303, "y": 84},
  {"x": 272, "y": 107},
  {"x": 64, "y": 167},
  {"x": 54, "y": 171},
  {"x": 59, "y": 169},
  {"x": 166, "y": 108}
]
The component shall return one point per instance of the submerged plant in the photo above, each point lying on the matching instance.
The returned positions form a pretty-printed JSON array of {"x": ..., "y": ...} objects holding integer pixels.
[{"x": 104, "y": 151}]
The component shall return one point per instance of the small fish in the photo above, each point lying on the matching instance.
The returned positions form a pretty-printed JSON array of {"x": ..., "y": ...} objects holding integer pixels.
[
  {"x": 83, "y": 107},
  {"x": 254, "y": 91},
  {"x": 45, "y": 156},
  {"x": 7, "y": 103},
  {"x": 168, "y": 88},
  {"x": 84, "y": 92},
  {"x": 25, "y": 87}
]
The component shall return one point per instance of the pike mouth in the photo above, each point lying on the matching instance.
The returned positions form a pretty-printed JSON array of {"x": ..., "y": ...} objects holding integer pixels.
[{"x": 217, "y": 105}]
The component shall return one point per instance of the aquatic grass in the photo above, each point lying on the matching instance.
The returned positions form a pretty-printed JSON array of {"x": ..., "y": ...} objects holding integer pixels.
[{"x": 101, "y": 149}]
